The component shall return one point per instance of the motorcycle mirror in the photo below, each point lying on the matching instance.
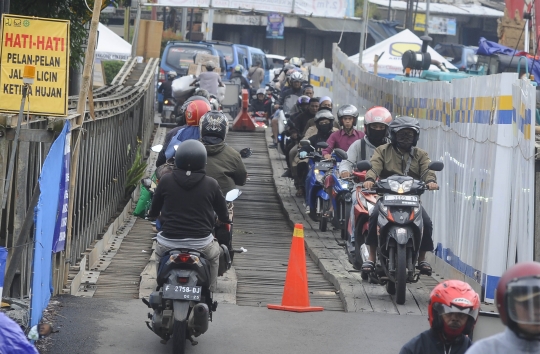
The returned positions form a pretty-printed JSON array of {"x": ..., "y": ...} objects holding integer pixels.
[
  {"x": 156, "y": 148},
  {"x": 147, "y": 183},
  {"x": 232, "y": 195},
  {"x": 363, "y": 165},
  {"x": 322, "y": 145},
  {"x": 246, "y": 152},
  {"x": 287, "y": 115},
  {"x": 304, "y": 143},
  {"x": 436, "y": 166},
  {"x": 341, "y": 154}
]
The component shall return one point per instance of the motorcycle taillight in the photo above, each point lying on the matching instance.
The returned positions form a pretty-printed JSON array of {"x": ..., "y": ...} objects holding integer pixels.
[
  {"x": 183, "y": 280},
  {"x": 184, "y": 258},
  {"x": 161, "y": 75}
]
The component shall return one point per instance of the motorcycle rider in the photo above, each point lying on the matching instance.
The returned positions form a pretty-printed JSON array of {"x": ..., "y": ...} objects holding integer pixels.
[
  {"x": 301, "y": 105},
  {"x": 224, "y": 162},
  {"x": 308, "y": 91},
  {"x": 325, "y": 103},
  {"x": 166, "y": 86},
  {"x": 181, "y": 124},
  {"x": 209, "y": 80},
  {"x": 261, "y": 104},
  {"x": 185, "y": 200},
  {"x": 452, "y": 313},
  {"x": 376, "y": 123},
  {"x": 323, "y": 122},
  {"x": 193, "y": 113},
  {"x": 348, "y": 117},
  {"x": 401, "y": 157},
  {"x": 239, "y": 79},
  {"x": 518, "y": 302}
]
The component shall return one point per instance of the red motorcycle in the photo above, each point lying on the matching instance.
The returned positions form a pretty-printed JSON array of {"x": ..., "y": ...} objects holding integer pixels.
[{"x": 357, "y": 226}]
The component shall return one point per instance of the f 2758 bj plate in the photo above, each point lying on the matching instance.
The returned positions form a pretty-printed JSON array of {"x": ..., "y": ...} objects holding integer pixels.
[
  {"x": 179, "y": 292},
  {"x": 323, "y": 166},
  {"x": 406, "y": 200}
]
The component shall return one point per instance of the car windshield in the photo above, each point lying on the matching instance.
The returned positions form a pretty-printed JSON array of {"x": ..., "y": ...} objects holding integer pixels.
[
  {"x": 227, "y": 52},
  {"x": 179, "y": 57}
]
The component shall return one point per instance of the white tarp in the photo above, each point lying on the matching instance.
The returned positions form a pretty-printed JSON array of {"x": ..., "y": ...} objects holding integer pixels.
[
  {"x": 393, "y": 48},
  {"x": 315, "y": 8},
  {"x": 111, "y": 46}
]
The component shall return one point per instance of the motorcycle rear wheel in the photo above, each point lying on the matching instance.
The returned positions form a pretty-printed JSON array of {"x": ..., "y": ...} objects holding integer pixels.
[
  {"x": 401, "y": 274},
  {"x": 179, "y": 337},
  {"x": 358, "y": 242}
]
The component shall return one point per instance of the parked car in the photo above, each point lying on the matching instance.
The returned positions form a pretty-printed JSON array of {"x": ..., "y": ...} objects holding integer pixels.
[
  {"x": 234, "y": 55},
  {"x": 461, "y": 56},
  {"x": 178, "y": 55}
]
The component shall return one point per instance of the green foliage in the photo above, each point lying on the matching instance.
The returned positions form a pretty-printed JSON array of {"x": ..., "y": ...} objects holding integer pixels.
[
  {"x": 136, "y": 172},
  {"x": 372, "y": 10},
  {"x": 111, "y": 68},
  {"x": 73, "y": 10}
]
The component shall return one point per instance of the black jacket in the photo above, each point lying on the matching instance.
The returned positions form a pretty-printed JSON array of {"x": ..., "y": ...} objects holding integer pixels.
[
  {"x": 288, "y": 92},
  {"x": 226, "y": 166},
  {"x": 161, "y": 159},
  {"x": 166, "y": 88},
  {"x": 428, "y": 343},
  {"x": 187, "y": 204},
  {"x": 299, "y": 121},
  {"x": 258, "y": 106}
]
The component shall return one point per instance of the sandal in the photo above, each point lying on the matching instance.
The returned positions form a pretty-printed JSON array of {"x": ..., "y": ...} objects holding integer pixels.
[
  {"x": 300, "y": 192},
  {"x": 368, "y": 267},
  {"x": 424, "y": 268}
]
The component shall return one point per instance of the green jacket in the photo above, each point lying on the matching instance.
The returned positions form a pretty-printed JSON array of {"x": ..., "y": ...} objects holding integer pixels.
[
  {"x": 226, "y": 166},
  {"x": 387, "y": 161}
]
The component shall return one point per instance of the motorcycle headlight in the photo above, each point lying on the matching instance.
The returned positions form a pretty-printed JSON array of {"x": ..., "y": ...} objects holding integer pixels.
[
  {"x": 394, "y": 185},
  {"x": 166, "y": 102},
  {"x": 406, "y": 186},
  {"x": 348, "y": 197},
  {"x": 319, "y": 176}
]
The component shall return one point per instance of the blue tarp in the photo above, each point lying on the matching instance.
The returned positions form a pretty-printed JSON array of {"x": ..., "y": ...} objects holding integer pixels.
[
  {"x": 3, "y": 260},
  {"x": 46, "y": 217},
  {"x": 486, "y": 47}
]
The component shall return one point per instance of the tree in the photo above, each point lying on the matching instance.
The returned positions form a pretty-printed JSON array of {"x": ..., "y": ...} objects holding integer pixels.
[
  {"x": 372, "y": 9},
  {"x": 76, "y": 11}
]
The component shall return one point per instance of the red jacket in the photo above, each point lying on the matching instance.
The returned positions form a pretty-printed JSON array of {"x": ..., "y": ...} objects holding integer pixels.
[{"x": 342, "y": 140}]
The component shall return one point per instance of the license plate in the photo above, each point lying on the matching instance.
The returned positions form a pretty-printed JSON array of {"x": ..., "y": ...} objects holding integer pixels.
[
  {"x": 179, "y": 292},
  {"x": 323, "y": 166},
  {"x": 410, "y": 200},
  {"x": 168, "y": 108}
]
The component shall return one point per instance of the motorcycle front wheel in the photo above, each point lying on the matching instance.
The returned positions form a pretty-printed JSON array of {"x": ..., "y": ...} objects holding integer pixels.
[
  {"x": 179, "y": 337},
  {"x": 401, "y": 274},
  {"x": 323, "y": 219}
]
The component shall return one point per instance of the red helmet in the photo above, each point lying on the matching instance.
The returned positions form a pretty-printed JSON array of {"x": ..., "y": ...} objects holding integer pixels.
[
  {"x": 377, "y": 114},
  {"x": 518, "y": 297},
  {"x": 195, "y": 110},
  {"x": 453, "y": 296}
]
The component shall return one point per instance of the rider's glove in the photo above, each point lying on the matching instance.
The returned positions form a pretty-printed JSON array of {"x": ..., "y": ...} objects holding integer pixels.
[{"x": 303, "y": 154}]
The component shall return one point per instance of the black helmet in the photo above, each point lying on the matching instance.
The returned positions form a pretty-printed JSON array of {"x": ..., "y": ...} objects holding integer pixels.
[
  {"x": 347, "y": 110},
  {"x": 404, "y": 122},
  {"x": 202, "y": 92},
  {"x": 190, "y": 156},
  {"x": 325, "y": 114},
  {"x": 214, "y": 123}
]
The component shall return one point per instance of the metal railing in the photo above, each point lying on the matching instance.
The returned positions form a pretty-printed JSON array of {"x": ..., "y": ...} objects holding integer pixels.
[{"x": 124, "y": 120}]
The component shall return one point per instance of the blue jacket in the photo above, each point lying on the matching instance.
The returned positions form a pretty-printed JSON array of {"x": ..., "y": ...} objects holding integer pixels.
[
  {"x": 189, "y": 132},
  {"x": 12, "y": 338}
]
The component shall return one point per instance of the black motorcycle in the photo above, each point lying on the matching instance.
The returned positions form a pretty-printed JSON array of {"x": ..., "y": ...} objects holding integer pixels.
[{"x": 401, "y": 228}]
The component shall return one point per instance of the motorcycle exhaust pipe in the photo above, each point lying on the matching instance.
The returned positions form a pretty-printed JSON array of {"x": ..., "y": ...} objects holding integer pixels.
[{"x": 198, "y": 321}]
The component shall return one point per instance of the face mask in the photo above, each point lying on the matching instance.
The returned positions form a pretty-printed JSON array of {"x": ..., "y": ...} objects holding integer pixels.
[
  {"x": 404, "y": 142},
  {"x": 376, "y": 136},
  {"x": 211, "y": 140},
  {"x": 324, "y": 128}
]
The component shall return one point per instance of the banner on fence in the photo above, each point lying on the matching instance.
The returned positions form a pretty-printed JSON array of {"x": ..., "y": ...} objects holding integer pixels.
[
  {"x": 3, "y": 261},
  {"x": 43, "y": 43},
  {"x": 46, "y": 218},
  {"x": 59, "y": 237},
  {"x": 314, "y": 8},
  {"x": 483, "y": 216}
]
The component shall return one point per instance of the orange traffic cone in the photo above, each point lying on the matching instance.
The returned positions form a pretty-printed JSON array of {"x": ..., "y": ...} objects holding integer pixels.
[{"x": 295, "y": 293}]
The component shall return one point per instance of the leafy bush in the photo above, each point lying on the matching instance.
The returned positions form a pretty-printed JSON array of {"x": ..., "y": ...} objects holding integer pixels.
[
  {"x": 168, "y": 35},
  {"x": 136, "y": 172},
  {"x": 111, "y": 68}
]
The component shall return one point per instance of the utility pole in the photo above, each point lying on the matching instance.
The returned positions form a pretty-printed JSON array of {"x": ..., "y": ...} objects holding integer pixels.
[
  {"x": 364, "y": 32},
  {"x": 136, "y": 32},
  {"x": 426, "y": 30}
]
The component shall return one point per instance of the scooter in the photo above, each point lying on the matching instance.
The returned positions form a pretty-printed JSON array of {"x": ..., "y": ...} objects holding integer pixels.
[
  {"x": 182, "y": 302},
  {"x": 315, "y": 193},
  {"x": 283, "y": 115},
  {"x": 340, "y": 196},
  {"x": 259, "y": 118},
  {"x": 168, "y": 115},
  {"x": 400, "y": 228}
]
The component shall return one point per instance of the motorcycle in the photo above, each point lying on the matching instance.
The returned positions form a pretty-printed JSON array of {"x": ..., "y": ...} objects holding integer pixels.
[
  {"x": 168, "y": 115},
  {"x": 340, "y": 196},
  {"x": 182, "y": 303},
  {"x": 259, "y": 118},
  {"x": 282, "y": 115},
  {"x": 315, "y": 193},
  {"x": 400, "y": 228}
]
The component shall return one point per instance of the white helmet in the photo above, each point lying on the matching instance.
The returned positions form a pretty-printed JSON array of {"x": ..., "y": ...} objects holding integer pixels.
[
  {"x": 297, "y": 76},
  {"x": 295, "y": 61},
  {"x": 171, "y": 74}
]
